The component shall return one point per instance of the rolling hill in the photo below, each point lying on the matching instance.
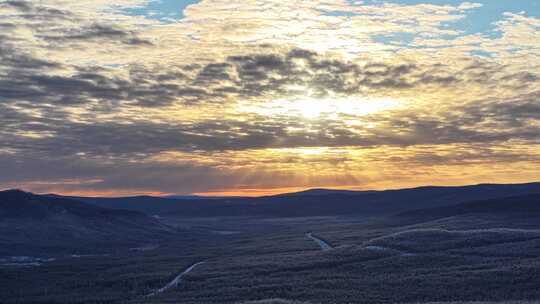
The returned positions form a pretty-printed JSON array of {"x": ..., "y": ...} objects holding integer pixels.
[
  {"x": 30, "y": 223},
  {"x": 317, "y": 202},
  {"x": 528, "y": 204}
]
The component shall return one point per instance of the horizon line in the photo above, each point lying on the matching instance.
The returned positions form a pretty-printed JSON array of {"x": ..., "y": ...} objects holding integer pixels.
[{"x": 255, "y": 193}]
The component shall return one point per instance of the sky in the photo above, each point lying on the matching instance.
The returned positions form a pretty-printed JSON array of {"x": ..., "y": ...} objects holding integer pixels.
[{"x": 254, "y": 97}]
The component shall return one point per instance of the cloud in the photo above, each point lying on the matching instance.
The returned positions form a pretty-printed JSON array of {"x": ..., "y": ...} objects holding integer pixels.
[
  {"x": 469, "y": 5},
  {"x": 92, "y": 98},
  {"x": 96, "y": 32},
  {"x": 240, "y": 76}
]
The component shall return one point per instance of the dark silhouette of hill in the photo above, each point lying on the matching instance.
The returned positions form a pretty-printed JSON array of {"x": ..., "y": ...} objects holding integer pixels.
[
  {"x": 322, "y": 191},
  {"x": 160, "y": 205},
  {"x": 30, "y": 222},
  {"x": 528, "y": 204},
  {"x": 20, "y": 204},
  {"x": 317, "y": 202},
  {"x": 199, "y": 197}
]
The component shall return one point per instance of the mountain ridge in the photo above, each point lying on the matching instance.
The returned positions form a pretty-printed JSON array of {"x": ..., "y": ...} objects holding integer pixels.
[{"x": 317, "y": 202}]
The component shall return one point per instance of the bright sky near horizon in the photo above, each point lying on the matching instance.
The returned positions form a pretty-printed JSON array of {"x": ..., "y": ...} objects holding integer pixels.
[{"x": 254, "y": 97}]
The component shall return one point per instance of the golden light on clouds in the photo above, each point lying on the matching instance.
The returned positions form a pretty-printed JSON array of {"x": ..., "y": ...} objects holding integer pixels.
[
  {"x": 275, "y": 96},
  {"x": 315, "y": 108}
]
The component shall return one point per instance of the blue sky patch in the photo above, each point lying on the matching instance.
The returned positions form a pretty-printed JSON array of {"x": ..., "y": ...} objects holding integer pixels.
[
  {"x": 395, "y": 38},
  {"x": 481, "y": 53},
  {"x": 339, "y": 13},
  {"x": 479, "y": 20},
  {"x": 162, "y": 10}
]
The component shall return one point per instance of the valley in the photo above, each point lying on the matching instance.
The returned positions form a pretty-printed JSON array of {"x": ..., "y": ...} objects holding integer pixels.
[{"x": 416, "y": 256}]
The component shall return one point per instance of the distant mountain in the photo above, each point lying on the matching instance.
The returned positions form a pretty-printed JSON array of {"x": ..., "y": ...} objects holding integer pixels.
[
  {"x": 188, "y": 197},
  {"x": 199, "y": 197},
  {"x": 321, "y": 191},
  {"x": 317, "y": 202},
  {"x": 524, "y": 204},
  {"x": 30, "y": 222}
]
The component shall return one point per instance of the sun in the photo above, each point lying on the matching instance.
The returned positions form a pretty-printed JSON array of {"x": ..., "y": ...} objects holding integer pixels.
[{"x": 320, "y": 108}]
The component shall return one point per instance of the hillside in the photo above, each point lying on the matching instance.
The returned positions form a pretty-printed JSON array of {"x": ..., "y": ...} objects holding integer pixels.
[
  {"x": 30, "y": 222},
  {"x": 528, "y": 204},
  {"x": 20, "y": 204}
]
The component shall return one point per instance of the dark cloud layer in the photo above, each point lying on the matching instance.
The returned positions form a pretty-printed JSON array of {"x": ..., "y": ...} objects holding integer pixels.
[
  {"x": 239, "y": 77},
  {"x": 505, "y": 121},
  {"x": 98, "y": 33},
  {"x": 27, "y": 85},
  {"x": 44, "y": 21}
]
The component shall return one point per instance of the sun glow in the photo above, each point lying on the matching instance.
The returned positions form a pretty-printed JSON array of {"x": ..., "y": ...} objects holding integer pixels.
[{"x": 315, "y": 108}]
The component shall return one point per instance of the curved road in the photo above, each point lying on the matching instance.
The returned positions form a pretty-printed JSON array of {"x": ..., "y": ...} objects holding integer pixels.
[
  {"x": 176, "y": 281},
  {"x": 324, "y": 245}
]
